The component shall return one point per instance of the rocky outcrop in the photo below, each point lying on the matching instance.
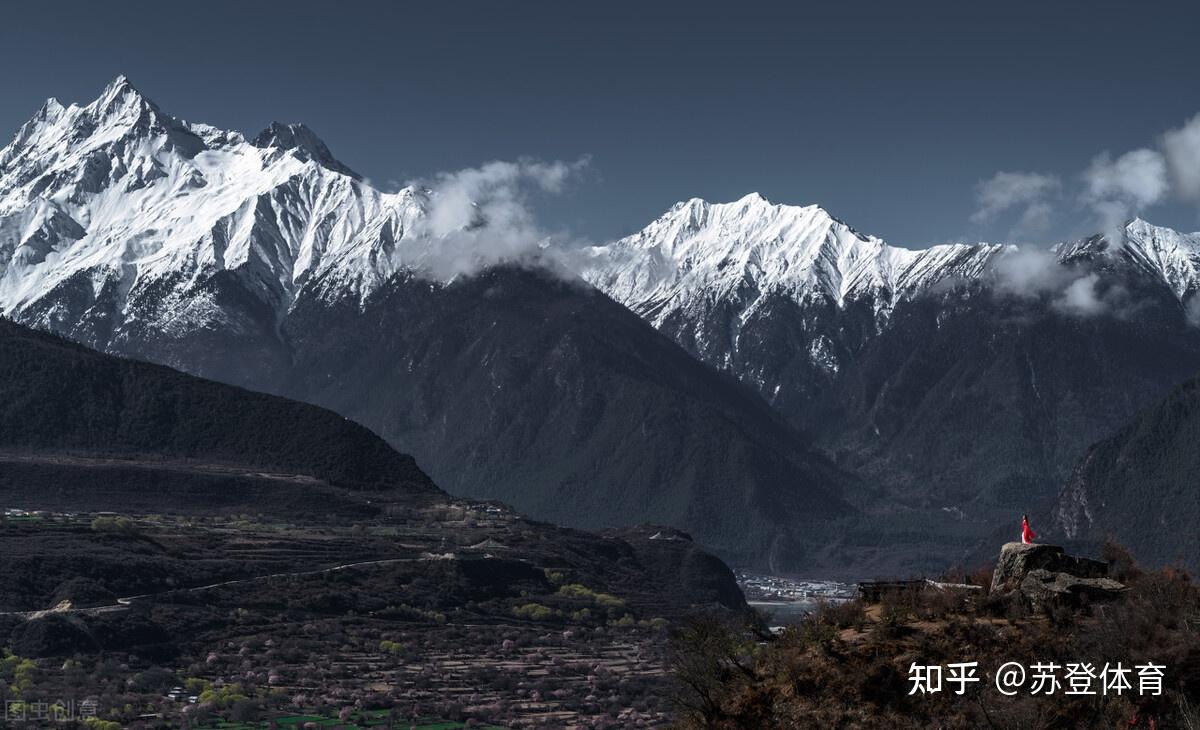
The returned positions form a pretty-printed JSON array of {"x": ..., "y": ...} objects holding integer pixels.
[
  {"x": 1044, "y": 588},
  {"x": 682, "y": 568},
  {"x": 1017, "y": 560},
  {"x": 1046, "y": 575}
]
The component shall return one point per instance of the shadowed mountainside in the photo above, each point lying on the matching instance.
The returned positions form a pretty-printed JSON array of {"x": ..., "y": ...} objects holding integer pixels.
[
  {"x": 60, "y": 398},
  {"x": 1153, "y": 456},
  {"x": 519, "y": 386}
]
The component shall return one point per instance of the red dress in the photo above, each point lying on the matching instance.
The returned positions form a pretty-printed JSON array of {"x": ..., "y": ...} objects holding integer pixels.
[{"x": 1027, "y": 535}]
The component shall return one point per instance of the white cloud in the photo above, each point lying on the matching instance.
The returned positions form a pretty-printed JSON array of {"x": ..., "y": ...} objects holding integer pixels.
[
  {"x": 1081, "y": 298},
  {"x": 1192, "y": 311},
  {"x": 1118, "y": 189},
  {"x": 1113, "y": 189},
  {"x": 1034, "y": 221},
  {"x": 1139, "y": 177},
  {"x": 482, "y": 216},
  {"x": 1028, "y": 191},
  {"x": 1029, "y": 272},
  {"x": 1181, "y": 148},
  {"x": 1035, "y": 273}
]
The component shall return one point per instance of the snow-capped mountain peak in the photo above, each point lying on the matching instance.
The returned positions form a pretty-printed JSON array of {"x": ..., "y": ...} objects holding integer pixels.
[
  {"x": 120, "y": 97},
  {"x": 750, "y": 249},
  {"x": 1161, "y": 253},
  {"x": 304, "y": 142},
  {"x": 121, "y": 209}
]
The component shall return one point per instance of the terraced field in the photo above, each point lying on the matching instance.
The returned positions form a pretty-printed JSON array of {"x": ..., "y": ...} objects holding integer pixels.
[{"x": 460, "y": 612}]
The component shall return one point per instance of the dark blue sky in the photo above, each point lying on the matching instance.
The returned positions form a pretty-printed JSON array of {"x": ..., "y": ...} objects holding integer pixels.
[{"x": 888, "y": 114}]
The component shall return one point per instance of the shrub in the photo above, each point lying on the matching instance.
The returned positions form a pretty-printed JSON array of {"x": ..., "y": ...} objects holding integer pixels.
[
  {"x": 534, "y": 612},
  {"x": 391, "y": 647},
  {"x": 16, "y": 670},
  {"x": 223, "y": 696},
  {"x": 577, "y": 590},
  {"x": 113, "y": 524},
  {"x": 842, "y": 614}
]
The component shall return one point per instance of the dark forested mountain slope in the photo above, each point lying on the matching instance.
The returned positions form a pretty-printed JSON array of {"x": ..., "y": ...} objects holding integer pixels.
[
  {"x": 57, "y": 397},
  {"x": 982, "y": 405},
  {"x": 962, "y": 382},
  {"x": 521, "y": 386},
  {"x": 1141, "y": 485},
  {"x": 84, "y": 431}
]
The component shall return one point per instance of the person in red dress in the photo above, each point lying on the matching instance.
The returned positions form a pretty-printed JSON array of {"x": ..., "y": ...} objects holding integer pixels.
[{"x": 1027, "y": 534}]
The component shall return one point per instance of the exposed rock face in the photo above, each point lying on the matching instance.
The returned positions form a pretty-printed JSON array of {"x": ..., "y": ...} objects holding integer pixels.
[
  {"x": 1043, "y": 587},
  {"x": 1044, "y": 574},
  {"x": 1017, "y": 560}
]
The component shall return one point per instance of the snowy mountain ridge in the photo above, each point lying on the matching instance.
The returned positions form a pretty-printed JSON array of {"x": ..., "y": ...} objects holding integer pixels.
[
  {"x": 115, "y": 200},
  {"x": 1163, "y": 254},
  {"x": 750, "y": 250},
  {"x": 116, "y": 212}
]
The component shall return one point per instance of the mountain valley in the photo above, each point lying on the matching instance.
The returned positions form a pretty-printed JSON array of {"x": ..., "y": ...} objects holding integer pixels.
[{"x": 801, "y": 397}]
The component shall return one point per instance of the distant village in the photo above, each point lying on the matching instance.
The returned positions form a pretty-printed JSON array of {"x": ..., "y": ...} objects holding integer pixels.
[{"x": 776, "y": 588}]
